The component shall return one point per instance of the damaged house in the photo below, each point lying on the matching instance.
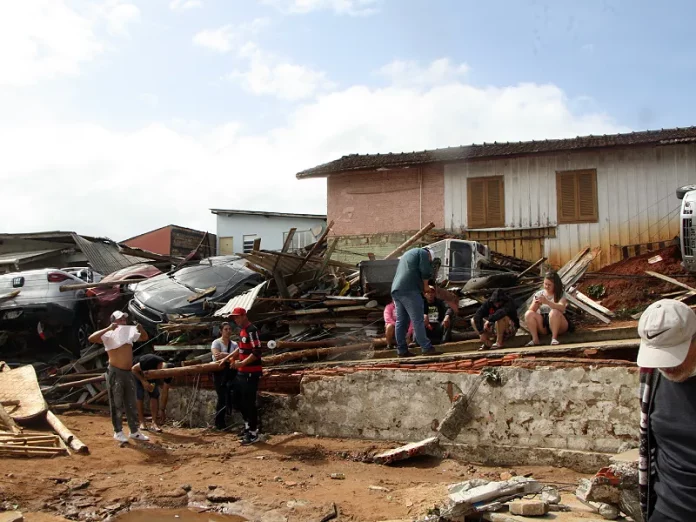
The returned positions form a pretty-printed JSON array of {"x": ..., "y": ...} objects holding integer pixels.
[{"x": 529, "y": 199}]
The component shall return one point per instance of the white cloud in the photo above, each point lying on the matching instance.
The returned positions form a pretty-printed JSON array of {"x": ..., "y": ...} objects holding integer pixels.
[
  {"x": 183, "y": 5},
  {"x": 225, "y": 38},
  {"x": 269, "y": 75},
  {"x": 43, "y": 39},
  {"x": 219, "y": 40},
  {"x": 439, "y": 72},
  {"x": 348, "y": 7},
  {"x": 159, "y": 174},
  {"x": 119, "y": 16}
]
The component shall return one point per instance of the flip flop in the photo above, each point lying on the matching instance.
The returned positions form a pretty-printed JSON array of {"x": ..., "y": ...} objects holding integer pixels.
[
  {"x": 554, "y": 342},
  {"x": 530, "y": 344}
]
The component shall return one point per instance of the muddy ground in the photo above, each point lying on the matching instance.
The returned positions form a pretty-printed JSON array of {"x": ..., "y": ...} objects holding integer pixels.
[{"x": 287, "y": 478}]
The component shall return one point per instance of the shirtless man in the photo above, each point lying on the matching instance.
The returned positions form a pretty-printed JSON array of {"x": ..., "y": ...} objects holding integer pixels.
[{"x": 118, "y": 339}]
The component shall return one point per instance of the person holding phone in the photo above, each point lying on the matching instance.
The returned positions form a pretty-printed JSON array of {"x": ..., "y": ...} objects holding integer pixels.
[{"x": 547, "y": 313}]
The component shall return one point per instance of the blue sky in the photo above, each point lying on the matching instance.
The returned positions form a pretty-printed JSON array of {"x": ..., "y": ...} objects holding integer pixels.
[{"x": 167, "y": 108}]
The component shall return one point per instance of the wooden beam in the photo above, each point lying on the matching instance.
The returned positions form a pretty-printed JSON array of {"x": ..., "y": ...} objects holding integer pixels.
[
  {"x": 315, "y": 246},
  {"x": 108, "y": 284},
  {"x": 65, "y": 434},
  {"x": 586, "y": 308},
  {"x": 257, "y": 243},
  {"x": 327, "y": 255},
  {"x": 204, "y": 293},
  {"x": 77, "y": 384},
  {"x": 671, "y": 280},
  {"x": 411, "y": 241},
  {"x": 534, "y": 265}
]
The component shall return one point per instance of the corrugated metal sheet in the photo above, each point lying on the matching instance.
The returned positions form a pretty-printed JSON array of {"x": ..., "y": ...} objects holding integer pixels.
[
  {"x": 245, "y": 300},
  {"x": 14, "y": 258},
  {"x": 105, "y": 257},
  {"x": 635, "y": 190}
]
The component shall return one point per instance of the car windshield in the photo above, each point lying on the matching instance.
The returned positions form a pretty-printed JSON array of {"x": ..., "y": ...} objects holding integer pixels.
[{"x": 204, "y": 276}]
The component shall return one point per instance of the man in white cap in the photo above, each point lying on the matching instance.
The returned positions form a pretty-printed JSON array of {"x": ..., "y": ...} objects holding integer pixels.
[
  {"x": 667, "y": 467},
  {"x": 410, "y": 283},
  {"x": 118, "y": 339}
]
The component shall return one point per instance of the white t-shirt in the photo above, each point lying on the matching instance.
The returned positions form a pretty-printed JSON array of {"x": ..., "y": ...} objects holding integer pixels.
[
  {"x": 218, "y": 344},
  {"x": 545, "y": 309},
  {"x": 121, "y": 335}
]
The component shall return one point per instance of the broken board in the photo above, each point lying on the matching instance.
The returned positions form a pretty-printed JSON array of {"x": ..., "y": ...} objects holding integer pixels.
[
  {"x": 22, "y": 385},
  {"x": 423, "y": 447}
]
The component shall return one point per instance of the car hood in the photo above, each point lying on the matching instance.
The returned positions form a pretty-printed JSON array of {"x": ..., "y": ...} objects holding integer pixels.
[{"x": 165, "y": 294}]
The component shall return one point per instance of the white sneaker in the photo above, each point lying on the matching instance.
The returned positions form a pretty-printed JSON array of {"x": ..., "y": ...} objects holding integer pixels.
[
  {"x": 139, "y": 436},
  {"x": 120, "y": 436}
]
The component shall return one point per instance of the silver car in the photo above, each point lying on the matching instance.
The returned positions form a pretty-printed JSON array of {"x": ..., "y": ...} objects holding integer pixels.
[{"x": 32, "y": 301}]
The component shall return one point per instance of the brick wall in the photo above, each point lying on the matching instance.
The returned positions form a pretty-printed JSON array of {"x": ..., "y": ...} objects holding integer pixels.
[{"x": 377, "y": 202}]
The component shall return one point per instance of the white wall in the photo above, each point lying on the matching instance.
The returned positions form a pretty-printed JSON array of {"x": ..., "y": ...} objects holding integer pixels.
[
  {"x": 635, "y": 189},
  {"x": 269, "y": 228}
]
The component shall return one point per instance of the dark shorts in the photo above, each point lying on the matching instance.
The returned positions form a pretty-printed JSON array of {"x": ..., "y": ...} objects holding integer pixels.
[
  {"x": 140, "y": 391},
  {"x": 547, "y": 325}
]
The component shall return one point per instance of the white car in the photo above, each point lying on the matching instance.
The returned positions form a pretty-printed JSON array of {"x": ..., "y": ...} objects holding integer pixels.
[{"x": 32, "y": 301}]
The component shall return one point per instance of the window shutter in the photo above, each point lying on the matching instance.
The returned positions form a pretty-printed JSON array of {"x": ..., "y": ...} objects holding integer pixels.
[
  {"x": 587, "y": 195},
  {"x": 477, "y": 203},
  {"x": 576, "y": 196},
  {"x": 495, "y": 203}
]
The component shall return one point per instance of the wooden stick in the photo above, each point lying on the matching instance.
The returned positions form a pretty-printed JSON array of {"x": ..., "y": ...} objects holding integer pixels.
[
  {"x": 673, "y": 281},
  {"x": 77, "y": 384},
  {"x": 412, "y": 240},
  {"x": 525, "y": 272},
  {"x": 108, "y": 284},
  {"x": 8, "y": 421},
  {"x": 97, "y": 397},
  {"x": 65, "y": 434},
  {"x": 315, "y": 247}
]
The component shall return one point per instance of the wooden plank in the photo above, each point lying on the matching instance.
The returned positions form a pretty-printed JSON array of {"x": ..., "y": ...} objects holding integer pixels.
[
  {"x": 257, "y": 244},
  {"x": 200, "y": 295},
  {"x": 592, "y": 303},
  {"x": 411, "y": 241},
  {"x": 586, "y": 308},
  {"x": 8, "y": 296},
  {"x": 671, "y": 280},
  {"x": 286, "y": 246},
  {"x": 108, "y": 284},
  {"x": 65, "y": 434},
  {"x": 8, "y": 421},
  {"x": 534, "y": 265},
  {"x": 327, "y": 255},
  {"x": 315, "y": 246}
]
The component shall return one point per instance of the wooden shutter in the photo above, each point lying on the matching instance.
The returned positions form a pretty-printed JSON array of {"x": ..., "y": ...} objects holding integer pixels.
[
  {"x": 576, "y": 196},
  {"x": 486, "y": 202}
]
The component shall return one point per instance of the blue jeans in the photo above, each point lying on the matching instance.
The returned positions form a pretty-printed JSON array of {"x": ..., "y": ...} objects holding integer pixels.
[{"x": 409, "y": 305}]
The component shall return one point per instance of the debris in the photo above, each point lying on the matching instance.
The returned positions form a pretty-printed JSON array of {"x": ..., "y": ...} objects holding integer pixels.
[
  {"x": 550, "y": 495},
  {"x": 616, "y": 485},
  {"x": 75, "y": 444},
  {"x": 479, "y": 495},
  {"x": 529, "y": 508},
  {"x": 424, "y": 447},
  {"x": 379, "y": 488},
  {"x": 76, "y": 483},
  {"x": 608, "y": 511},
  {"x": 218, "y": 495},
  {"x": 338, "y": 476},
  {"x": 655, "y": 259},
  {"x": 332, "y": 513},
  {"x": 506, "y": 475}
]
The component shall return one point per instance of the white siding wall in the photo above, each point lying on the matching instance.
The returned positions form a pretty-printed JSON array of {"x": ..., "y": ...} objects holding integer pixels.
[
  {"x": 269, "y": 228},
  {"x": 636, "y": 196}
]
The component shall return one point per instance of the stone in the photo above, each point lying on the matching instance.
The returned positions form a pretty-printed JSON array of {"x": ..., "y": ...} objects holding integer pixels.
[
  {"x": 220, "y": 495},
  {"x": 174, "y": 493},
  {"x": 278, "y": 479},
  {"x": 338, "y": 476},
  {"x": 11, "y": 516},
  {"x": 211, "y": 487},
  {"x": 608, "y": 511},
  {"x": 290, "y": 484},
  {"x": 186, "y": 487},
  {"x": 74, "y": 484},
  {"x": 423, "y": 447},
  {"x": 550, "y": 495},
  {"x": 529, "y": 508},
  {"x": 506, "y": 475}
]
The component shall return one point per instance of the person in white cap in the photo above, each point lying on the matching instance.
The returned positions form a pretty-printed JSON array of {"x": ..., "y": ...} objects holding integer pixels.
[
  {"x": 411, "y": 281},
  {"x": 667, "y": 465},
  {"x": 118, "y": 339}
]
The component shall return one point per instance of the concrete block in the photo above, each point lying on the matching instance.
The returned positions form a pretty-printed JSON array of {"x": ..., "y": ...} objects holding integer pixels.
[
  {"x": 529, "y": 508},
  {"x": 423, "y": 447}
]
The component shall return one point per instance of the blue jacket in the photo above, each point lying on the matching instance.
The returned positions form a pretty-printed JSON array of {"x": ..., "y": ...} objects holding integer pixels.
[{"x": 414, "y": 268}]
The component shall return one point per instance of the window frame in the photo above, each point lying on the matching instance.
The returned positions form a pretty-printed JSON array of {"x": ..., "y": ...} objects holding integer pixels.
[{"x": 245, "y": 240}]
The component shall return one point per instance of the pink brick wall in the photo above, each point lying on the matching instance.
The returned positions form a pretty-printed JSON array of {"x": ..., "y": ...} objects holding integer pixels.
[{"x": 375, "y": 202}]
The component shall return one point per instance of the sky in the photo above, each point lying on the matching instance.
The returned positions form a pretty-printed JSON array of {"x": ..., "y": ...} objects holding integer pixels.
[{"x": 122, "y": 116}]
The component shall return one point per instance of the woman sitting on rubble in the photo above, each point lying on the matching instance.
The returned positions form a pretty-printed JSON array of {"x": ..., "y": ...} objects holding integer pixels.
[{"x": 547, "y": 313}]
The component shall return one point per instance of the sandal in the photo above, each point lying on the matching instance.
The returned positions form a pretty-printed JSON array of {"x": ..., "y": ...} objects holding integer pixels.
[
  {"x": 495, "y": 346},
  {"x": 554, "y": 342},
  {"x": 530, "y": 344},
  {"x": 483, "y": 348}
]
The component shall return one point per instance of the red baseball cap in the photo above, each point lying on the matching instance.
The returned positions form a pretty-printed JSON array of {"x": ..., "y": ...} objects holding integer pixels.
[{"x": 238, "y": 311}]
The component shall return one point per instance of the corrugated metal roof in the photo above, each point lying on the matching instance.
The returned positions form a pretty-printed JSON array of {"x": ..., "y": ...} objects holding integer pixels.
[
  {"x": 245, "y": 300},
  {"x": 355, "y": 162},
  {"x": 104, "y": 256}
]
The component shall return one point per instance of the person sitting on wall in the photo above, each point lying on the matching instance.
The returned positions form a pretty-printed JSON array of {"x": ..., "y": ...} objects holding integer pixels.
[
  {"x": 158, "y": 407},
  {"x": 547, "y": 313},
  {"x": 437, "y": 316},
  {"x": 496, "y": 319}
]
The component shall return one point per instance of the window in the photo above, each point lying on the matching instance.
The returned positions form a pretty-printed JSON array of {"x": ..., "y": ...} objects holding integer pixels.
[
  {"x": 485, "y": 202},
  {"x": 576, "y": 196},
  {"x": 300, "y": 239},
  {"x": 249, "y": 243}
]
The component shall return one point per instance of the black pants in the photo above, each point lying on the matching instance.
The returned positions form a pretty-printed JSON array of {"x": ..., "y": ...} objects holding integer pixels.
[
  {"x": 246, "y": 387},
  {"x": 439, "y": 334},
  {"x": 224, "y": 381},
  {"x": 659, "y": 517}
]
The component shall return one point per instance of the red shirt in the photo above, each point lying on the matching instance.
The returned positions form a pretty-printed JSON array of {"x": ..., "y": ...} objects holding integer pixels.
[{"x": 250, "y": 344}]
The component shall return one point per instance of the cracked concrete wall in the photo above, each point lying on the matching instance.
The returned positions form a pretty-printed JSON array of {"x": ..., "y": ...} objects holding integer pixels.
[{"x": 581, "y": 409}]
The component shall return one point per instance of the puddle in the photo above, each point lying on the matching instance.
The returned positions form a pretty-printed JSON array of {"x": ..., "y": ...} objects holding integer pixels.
[{"x": 175, "y": 515}]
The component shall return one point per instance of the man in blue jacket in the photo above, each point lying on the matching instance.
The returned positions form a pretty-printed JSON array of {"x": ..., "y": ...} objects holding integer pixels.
[{"x": 410, "y": 283}]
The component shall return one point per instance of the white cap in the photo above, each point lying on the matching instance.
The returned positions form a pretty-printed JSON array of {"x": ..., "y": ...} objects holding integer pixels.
[
  {"x": 666, "y": 330},
  {"x": 118, "y": 314}
]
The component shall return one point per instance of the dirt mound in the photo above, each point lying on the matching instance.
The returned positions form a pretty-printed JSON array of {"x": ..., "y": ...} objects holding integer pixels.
[{"x": 627, "y": 295}]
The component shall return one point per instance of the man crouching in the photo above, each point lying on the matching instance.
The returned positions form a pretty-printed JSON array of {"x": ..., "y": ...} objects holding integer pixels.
[{"x": 118, "y": 339}]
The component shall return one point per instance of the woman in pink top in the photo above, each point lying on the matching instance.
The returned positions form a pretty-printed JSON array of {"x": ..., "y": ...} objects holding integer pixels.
[{"x": 390, "y": 325}]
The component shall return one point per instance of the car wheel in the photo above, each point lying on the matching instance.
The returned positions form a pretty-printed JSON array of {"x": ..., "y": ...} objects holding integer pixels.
[
  {"x": 76, "y": 337},
  {"x": 681, "y": 191}
]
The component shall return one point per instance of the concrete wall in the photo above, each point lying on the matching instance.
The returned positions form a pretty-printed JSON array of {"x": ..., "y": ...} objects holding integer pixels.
[
  {"x": 635, "y": 189},
  {"x": 553, "y": 410},
  {"x": 269, "y": 228},
  {"x": 385, "y": 201}
]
